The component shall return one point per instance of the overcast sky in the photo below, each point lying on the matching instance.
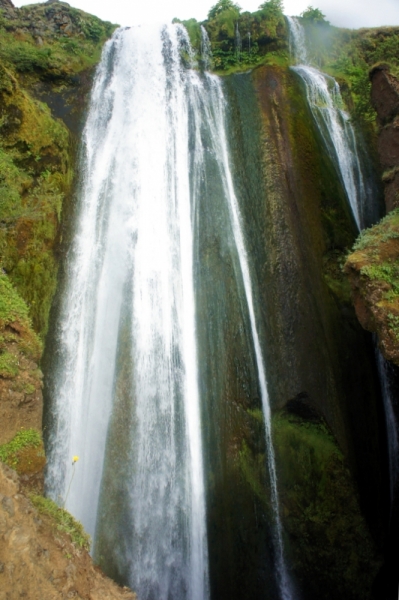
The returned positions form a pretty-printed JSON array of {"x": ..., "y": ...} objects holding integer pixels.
[{"x": 343, "y": 13}]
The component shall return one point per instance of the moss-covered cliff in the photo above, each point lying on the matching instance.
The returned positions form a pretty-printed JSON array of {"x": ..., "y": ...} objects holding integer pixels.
[
  {"x": 298, "y": 228},
  {"x": 47, "y": 56}
]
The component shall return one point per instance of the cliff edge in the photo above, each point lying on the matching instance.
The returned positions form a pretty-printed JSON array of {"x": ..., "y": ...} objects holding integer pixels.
[
  {"x": 373, "y": 265},
  {"x": 38, "y": 558}
]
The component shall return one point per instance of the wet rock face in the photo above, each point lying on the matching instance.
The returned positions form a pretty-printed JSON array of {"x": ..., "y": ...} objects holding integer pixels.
[
  {"x": 385, "y": 99},
  {"x": 384, "y": 95},
  {"x": 37, "y": 561}
]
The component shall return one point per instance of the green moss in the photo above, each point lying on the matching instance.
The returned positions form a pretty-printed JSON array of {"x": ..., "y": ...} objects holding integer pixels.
[
  {"x": 383, "y": 272},
  {"x": 62, "y": 521},
  {"x": 36, "y": 176},
  {"x": 12, "y": 307},
  {"x": 375, "y": 252},
  {"x": 13, "y": 310},
  {"x": 252, "y": 466},
  {"x": 371, "y": 238},
  {"x": 24, "y": 439},
  {"x": 333, "y": 264},
  {"x": 8, "y": 365},
  {"x": 320, "y": 511},
  {"x": 393, "y": 321}
]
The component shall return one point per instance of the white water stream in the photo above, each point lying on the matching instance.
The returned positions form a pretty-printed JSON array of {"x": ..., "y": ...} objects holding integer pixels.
[
  {"x": 134, "y": 246},
  {"x": 325, "y": 101}
]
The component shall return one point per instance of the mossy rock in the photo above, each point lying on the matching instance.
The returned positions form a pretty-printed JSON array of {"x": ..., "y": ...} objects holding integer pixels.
[
  {"x": 15, "y": 326},
  {"x": 327, "y": 537},
  {"x": 25, "y": 452}
]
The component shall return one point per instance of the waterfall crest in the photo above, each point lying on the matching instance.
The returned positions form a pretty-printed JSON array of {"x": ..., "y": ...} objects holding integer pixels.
[{"x": 325, "y": 102}]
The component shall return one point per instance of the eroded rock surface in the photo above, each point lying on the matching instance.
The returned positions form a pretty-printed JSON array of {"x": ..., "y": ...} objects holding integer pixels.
[{"x": 385, "y": 99}]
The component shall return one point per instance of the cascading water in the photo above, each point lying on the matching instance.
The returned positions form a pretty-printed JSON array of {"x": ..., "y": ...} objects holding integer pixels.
[
  {"x": 325, "y": 102},
  {"x": 134, "y": 254},
  {"x": 125, "y": 394}
]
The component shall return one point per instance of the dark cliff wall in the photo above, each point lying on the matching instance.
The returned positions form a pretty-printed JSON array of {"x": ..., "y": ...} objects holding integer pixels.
[
  {"x": 385, "y": 99},
  {"x": 328, "y": 421}
]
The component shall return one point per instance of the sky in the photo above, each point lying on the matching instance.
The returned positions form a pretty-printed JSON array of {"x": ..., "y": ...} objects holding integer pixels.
[{"x": 342, "y": 13}]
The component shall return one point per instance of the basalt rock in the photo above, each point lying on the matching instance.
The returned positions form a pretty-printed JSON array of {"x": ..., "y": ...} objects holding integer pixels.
[{"x": 385, "y": 99}]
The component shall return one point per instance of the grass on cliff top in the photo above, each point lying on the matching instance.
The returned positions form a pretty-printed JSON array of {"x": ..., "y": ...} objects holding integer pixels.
[
  {"x": 376, "y": 251},
  {"x": 62, "y": 521},
  {"x": 371, "y": 238}
]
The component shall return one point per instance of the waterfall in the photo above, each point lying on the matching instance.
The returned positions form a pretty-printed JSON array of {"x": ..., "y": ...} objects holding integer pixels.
[
  {"x": 325, "y": 101},
  {"x": 133, "y": 254},
  {"x": 125, "y": 390},
  {"x": 206, "y": 50}
]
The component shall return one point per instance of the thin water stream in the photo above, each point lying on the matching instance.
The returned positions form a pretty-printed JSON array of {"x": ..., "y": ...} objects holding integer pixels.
[{"x": 325, "y": 102}]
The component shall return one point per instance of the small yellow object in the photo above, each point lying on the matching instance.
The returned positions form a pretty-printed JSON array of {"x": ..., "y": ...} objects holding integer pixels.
[{"x": 75, "y": 459}]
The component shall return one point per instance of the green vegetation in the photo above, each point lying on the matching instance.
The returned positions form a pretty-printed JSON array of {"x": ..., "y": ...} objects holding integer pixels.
[
  {"x": 62, "y": 521},
  {"x": 60, "y": 55},
  {"x": 387, "y": 229},
  {"x": 25, "y": 439},
  {"x": 320, "y": 509},
  {"x": 393, "y": 321},
  {"x": 14, "y": 310},
  {"x": 42, "y": 45},
  {"x": 243, "y": 40},
  {"x": 314, "y": 15},
  {"x": 375, "y": 255},
  {"x": 325, "y": 532},
  {"x": 224, "y": 6},
  {"x": 384, "y": 272}
]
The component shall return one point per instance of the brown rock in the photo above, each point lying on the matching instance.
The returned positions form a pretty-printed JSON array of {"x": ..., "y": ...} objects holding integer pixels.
[
  {"x": 374, "y": 311},
  {"x": 392, "y": 192},
  {"x": 37, "y": 561},
  {"x": 388, "y": 146},
  {"x": 384, "y": 94},
  {"x": 385, "y": 99}
]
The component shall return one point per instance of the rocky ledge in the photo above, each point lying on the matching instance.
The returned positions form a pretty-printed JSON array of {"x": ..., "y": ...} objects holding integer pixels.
[
  {"x": 373, "y": 270},
  {"x": 38, "y": 560}
]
